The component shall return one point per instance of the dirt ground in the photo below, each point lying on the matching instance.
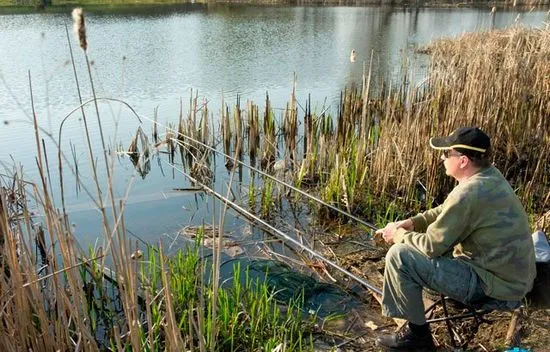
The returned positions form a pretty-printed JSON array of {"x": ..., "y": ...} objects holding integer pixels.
[{"x": 362, "y": 255}]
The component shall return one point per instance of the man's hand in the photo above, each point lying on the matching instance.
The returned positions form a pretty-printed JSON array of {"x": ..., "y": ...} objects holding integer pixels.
[{"x": 388, "y": 231}]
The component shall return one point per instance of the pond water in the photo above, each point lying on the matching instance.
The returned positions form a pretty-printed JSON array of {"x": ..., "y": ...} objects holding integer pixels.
[{"x": 152, "y": 57}]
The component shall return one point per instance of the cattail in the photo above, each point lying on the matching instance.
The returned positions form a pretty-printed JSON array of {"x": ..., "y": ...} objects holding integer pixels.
[
  {"x": 137, "y": 255},
  {"x": 80, "y": 27}
]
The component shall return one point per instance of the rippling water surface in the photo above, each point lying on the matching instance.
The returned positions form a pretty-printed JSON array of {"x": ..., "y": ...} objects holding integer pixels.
[{"x": 153, "y": 58}]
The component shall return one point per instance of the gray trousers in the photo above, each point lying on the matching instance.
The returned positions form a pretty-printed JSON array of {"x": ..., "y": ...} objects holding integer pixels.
[{"x": 409, "y": 271}]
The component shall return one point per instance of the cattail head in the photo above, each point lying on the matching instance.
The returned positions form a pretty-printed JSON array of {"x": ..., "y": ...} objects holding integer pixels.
[
  {"x": 137, "y": 255},
  {"x": 80, "y": 27}
]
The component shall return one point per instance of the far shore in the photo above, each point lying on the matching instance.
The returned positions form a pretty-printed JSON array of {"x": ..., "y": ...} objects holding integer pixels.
[{"x": 25, "y": 6}]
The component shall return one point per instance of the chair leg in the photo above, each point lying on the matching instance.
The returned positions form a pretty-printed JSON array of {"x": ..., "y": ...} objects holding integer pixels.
[
  {"x": 448, "y": 322},
  {"x": 455, "y": 339}
]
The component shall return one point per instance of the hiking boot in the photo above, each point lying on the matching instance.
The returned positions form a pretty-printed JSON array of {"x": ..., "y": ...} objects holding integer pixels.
[{"x": 406, "y": 340}]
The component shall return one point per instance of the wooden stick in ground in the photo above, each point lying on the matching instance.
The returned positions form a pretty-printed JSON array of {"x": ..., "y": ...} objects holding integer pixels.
[{"x": 513, "y": 334}]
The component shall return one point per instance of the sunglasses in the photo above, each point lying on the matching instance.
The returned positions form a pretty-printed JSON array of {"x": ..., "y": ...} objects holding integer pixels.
[{"x": 449, "y": 153}]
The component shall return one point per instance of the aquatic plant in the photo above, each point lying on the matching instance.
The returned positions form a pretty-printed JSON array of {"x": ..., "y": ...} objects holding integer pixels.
[
  {"x": 248, "y": 317},
  {"x": 267, "y": 200},
  {"x": 253, "y": 127},
  {"x": 269, "y": 145},
  {"x": 374, "y": 152}
]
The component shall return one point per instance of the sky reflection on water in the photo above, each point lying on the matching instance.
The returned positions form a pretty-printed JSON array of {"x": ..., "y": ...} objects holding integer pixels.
[{"x": 153, "y": 59}]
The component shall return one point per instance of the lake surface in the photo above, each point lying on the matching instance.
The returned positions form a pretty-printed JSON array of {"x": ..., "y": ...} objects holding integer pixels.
[{"x": 151, "y": 58}]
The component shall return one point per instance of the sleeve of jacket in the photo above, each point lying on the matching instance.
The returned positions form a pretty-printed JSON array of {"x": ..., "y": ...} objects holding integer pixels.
[
  {"x": 421, "y": 221},
  {"x": 448, "y": 228}
]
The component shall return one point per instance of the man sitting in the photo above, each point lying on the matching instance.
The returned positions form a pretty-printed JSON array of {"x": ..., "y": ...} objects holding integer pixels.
[{"x": 476, "y": 245}]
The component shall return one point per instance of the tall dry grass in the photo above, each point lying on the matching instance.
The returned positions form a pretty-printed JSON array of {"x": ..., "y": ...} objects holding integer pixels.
[
  {"x": 54, "y": 297},
  {"x": 42, "y": 301},
  {"x": 375, "y": 153},
  {"x": 149, "y": 302},
  {"x": 497, "y": 80}
]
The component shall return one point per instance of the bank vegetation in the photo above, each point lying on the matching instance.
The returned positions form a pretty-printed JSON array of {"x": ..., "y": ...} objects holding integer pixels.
[{"x": 372, "y": 155}]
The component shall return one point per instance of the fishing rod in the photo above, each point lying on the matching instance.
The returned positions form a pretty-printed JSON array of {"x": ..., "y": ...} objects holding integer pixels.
[
  {"x": 277, "y": 232},
  {"x": 343, "y": 212}
]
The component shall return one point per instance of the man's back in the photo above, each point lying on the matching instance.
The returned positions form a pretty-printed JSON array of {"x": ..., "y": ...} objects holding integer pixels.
[{"x": 497, "y": 241}]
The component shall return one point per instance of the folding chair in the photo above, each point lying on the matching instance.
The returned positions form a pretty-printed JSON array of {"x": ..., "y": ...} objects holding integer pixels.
[{"x": 475, "y": 311}]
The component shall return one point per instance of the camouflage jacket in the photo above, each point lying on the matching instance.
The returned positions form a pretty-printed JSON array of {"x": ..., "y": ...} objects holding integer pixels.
[{"x": 485, "y": 225}]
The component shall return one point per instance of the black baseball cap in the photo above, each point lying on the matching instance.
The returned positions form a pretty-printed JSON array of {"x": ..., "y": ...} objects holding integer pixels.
[{"x": 464, "y": 140}]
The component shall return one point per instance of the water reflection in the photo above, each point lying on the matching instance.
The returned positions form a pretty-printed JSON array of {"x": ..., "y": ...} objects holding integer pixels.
[{"x": 152, "y": 56}]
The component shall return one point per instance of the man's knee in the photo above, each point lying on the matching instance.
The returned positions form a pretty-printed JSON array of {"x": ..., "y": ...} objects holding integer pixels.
[{"x": 398, "y": 254}]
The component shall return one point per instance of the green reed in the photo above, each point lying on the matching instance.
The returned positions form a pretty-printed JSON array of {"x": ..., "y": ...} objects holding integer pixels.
[
  {"x": 248, "y": 316},
  {"x": 267, "y": 200}
]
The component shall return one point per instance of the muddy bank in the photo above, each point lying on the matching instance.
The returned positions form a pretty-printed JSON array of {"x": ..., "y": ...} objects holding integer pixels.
[{"x": 363, "y": 255}]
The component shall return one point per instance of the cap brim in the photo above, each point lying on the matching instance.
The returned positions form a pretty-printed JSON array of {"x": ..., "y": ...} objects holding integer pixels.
[{"x": 440, "y": 143}]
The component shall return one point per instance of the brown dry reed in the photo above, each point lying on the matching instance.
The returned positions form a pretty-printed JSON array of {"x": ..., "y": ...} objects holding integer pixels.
[
  {"x": 499, "y": 81},
  {"x": 375, "y": 151}
]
